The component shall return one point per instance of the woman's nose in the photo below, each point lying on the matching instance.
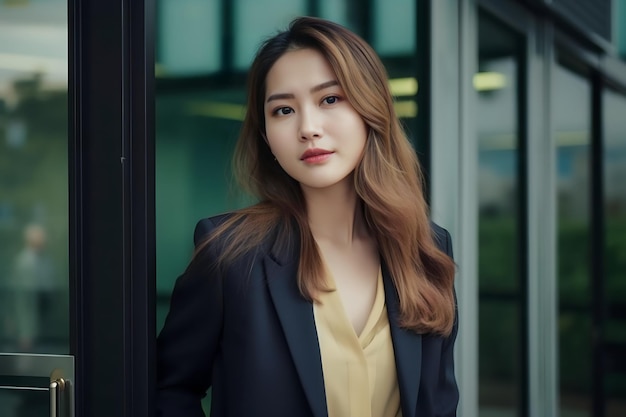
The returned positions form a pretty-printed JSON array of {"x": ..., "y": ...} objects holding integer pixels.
[{"x": 310, "y": 125}]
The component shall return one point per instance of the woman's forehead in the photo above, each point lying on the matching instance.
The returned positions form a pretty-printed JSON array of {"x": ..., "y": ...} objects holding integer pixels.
[{"x": 298, "y": 70}]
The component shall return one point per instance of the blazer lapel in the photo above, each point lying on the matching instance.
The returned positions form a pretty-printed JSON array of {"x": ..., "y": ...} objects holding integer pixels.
[
  {"x": 407, "y": 346},
  {"x": 298, "y": 323}
]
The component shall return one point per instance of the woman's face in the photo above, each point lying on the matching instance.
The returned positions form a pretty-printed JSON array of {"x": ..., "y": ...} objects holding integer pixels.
[{"x": 313, "y": 131}]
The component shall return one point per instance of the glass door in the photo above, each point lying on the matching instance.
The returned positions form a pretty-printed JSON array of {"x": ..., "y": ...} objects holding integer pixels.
[
  {"x": 76, "y": 208},
  {"x": 36, "y": 370}
]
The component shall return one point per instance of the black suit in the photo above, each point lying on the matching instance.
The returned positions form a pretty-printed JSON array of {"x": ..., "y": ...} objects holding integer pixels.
[{"x": 247, "y": 332}]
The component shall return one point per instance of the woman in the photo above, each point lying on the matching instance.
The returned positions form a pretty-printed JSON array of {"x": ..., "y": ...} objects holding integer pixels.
[{"x": 333, "y": 296}]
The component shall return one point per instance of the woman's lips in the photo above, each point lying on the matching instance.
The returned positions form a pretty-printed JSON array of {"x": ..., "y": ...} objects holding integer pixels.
[{"x": 315, "y": 156}]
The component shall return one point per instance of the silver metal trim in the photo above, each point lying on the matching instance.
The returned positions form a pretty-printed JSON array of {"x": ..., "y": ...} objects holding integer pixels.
[
  {"x": 454, "y": 171},
  {"x": 23, "y": 388},
  {"x": 547, "y": 244},
  {"x": 542, "y": 301},
  {"x": 53, "y": 398},
  {"x": 467, "y": 216}
]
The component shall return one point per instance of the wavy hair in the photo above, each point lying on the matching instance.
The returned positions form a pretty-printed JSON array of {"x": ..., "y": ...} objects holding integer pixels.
[{"x": 388, "y": 181}]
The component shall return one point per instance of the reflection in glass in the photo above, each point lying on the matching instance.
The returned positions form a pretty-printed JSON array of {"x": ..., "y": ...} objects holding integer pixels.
[
  {"x": 614, "y": 160},
  {"x": 33, "y": 177},
  {"x": 572, "y": 123},
  {"x": 501, "y": 279}
]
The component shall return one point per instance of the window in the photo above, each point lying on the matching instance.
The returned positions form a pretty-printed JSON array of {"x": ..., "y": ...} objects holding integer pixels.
[
  {"x": 614, "y": 160},
  {"x": 502, "y": 270},
  {"x": 572, "y": 124}
]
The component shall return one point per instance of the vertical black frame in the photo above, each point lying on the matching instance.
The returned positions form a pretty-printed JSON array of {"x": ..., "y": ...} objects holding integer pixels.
[
  {"x": 523, "y": 224},
  {"x": 423, "y": 126},
  {"x": 598, "y": 305},
  {"x": 111, "y": 205}
]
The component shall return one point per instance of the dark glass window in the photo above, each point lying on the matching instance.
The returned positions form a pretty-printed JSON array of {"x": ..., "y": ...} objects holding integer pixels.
[
  {"x": 34, "y": 228},
  {"x": 502, "y": 276},
  {"x": 572, "y": 124},
  {"x": 34, "y": 290},
  {"x": 614, "y": 161}
]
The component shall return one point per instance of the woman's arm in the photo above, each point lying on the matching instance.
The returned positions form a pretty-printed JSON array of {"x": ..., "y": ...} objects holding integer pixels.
[{"x": 188, "y": 343}]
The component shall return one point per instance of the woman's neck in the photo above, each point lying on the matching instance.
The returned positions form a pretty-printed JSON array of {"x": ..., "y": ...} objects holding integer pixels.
[{"x": 335, "y": 214}]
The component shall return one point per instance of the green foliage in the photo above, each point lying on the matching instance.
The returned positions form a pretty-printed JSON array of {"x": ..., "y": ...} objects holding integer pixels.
[
  {"x": 497, "y": 260},
  {"x": 501, "y": 303}
]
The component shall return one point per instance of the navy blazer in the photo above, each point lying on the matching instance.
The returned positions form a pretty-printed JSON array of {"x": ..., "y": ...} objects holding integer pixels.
[{"x": 246, "y": 332}]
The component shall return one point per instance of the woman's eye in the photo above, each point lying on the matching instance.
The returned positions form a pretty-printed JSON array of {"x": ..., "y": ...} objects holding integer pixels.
[
  {"x": 282, "y": 111},
  {"x": 331, "y": 99}
]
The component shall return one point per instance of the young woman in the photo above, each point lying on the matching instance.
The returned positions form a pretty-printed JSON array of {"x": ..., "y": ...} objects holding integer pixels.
[{"x": 333, "y": 296}]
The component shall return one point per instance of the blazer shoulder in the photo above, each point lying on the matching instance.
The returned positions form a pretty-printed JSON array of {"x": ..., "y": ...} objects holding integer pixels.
[
  {"x": 206, "y": 226},
  {"x": 442, "y": 238}
]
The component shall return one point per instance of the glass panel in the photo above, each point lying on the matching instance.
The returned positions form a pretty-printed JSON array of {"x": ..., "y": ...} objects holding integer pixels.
[
  {"x": 33, "y": 177},
  {"x": 30, "y": 397},
  {"x": 189, "y": 23},
  {"x": 572, "y": 122},
  {"x": 502, "y": 335},
  {"x": 20, "y": 402},
  {"x": 394, "y": 27},
  {"x": 614, "y": 159},
  {"x": 256, "y": 20},
  {"x": 25, "y": 381},
  {"x": 337, "y": 11},
  {"x": 394, "y": 36}
]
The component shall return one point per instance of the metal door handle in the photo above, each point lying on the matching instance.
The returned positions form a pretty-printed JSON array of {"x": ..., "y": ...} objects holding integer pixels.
[{"x": 56, "y": 389}]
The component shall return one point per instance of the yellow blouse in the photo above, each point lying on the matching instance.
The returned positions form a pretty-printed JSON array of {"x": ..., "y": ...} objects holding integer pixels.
[{"x": 359, "y": 371}]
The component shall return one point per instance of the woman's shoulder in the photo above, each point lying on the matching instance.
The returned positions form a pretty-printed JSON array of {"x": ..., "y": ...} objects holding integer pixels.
[
  {"x": 251, "y": 229},
  {"x": 207, "y": 225},
  {"x": 441, "y": 237},
  {"x": 220, "y": 241}
]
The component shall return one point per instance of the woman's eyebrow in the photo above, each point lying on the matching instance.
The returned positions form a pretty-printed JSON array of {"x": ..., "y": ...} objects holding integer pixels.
[
  {"x": 322, "y": 86},
  {"x": 319, "y": 87}
]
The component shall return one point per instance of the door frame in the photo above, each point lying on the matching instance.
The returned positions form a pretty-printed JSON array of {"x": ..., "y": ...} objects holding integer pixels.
[{"x": 111, "y": 205}]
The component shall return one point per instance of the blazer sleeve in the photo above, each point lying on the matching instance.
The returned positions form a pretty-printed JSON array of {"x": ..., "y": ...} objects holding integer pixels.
[
  {"x": 188, "y": 342},
  {"x": 449, "y": 392}
]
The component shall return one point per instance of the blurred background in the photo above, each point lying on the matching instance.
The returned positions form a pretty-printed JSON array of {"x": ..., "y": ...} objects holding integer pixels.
[{"x": 544, "y": 102}]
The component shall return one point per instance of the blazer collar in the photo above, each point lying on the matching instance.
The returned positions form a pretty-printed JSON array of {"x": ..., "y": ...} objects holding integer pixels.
[
  {"x": 297, "y": 320},
  {"x": 298, "y": 323},
  {"x": 407, "y": 347}
]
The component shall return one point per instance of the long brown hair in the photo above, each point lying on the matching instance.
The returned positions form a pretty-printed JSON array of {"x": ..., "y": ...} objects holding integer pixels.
[{"x": 388, "y": 181}]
